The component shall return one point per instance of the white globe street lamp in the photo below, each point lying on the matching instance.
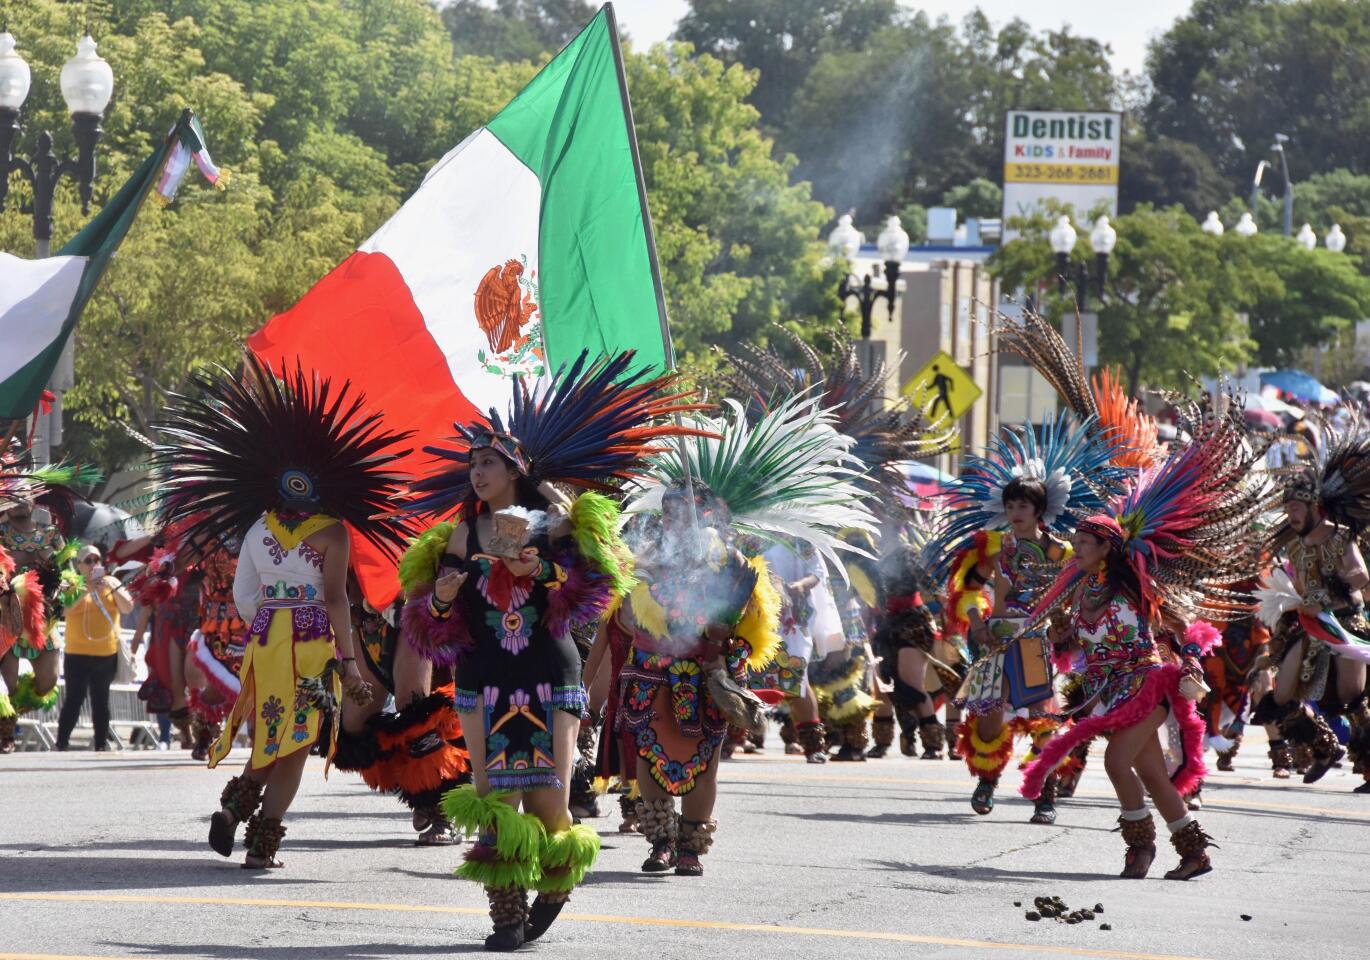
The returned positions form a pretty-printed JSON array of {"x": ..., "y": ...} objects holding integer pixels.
[
  {"x": 1306, "y": 238},
  {"x": 893, "y": 242},
  {"x": 1103, "y": 237},
  {"x": 845, "y": 240},
  {"x": 1212, "y": 225},
  {"x": 1246, "y": 226},
  {"x": 1062, "y": 237},
  {"x": 15, "y": 76},
  {"x": 1335, "y": 239}
]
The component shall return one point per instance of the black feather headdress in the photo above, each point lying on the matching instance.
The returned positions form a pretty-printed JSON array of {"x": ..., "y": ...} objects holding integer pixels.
[
  {"x": 240, "y": 446},
  {"x": 588, "y": 426}
]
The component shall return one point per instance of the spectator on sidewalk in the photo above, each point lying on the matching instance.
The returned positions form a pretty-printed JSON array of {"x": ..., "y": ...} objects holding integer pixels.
[{"x": 92, "y": 647}]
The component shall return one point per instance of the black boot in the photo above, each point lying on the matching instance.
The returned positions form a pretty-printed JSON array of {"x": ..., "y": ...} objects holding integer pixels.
[
  {"x": 882, "y": 731},
  {"x": 934, "y": 738},
  {"x": 508, "y": 912}
]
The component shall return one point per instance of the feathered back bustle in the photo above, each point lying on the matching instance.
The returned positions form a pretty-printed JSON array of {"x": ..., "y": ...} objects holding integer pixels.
[{"x": 1188, "y": 521}]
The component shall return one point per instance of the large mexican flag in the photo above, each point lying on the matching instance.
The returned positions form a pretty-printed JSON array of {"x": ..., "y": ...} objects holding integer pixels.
[{"x": 525, "y": 245}]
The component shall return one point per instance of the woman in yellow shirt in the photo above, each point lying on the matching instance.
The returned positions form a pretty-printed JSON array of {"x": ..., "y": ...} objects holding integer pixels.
[{"x": 92, "y": 647}]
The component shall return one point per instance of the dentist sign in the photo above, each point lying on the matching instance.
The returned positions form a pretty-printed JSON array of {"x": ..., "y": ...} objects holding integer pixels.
[{"x": 1069, "y": 157}]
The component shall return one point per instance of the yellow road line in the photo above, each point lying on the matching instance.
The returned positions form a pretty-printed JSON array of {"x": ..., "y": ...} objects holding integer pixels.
[
  {"x": 1212, "y": 801},
  {"x": 584, "y": 917}
]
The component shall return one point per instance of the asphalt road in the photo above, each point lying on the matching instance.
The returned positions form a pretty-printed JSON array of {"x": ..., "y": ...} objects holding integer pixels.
[{"x": 103, "y": 855}]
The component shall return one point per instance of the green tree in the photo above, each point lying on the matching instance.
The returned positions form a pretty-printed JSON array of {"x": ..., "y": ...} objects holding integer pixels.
[
  {"x": 1164, "y": 172},
  {"x": 782, "y": 38},
  {"x": 328, "y": 112},
  {"x": 738, "y": 240},
  {"x": 514, "y": 29},
  {"x": 1324, "y": 197},
  {"x": 1232, "y": 73},
  {"x": 1173, "y": 297},
  {"x": 1297, "y": 298},
  {"x": 979, "y": 198},
  {"x": 919, "y": 109}
]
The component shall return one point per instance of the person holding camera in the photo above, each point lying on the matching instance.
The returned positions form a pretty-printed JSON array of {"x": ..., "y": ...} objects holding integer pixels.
[{"x": 92, "y": 647}]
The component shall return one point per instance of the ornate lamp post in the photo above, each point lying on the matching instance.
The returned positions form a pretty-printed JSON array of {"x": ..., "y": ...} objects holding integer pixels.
[
  {"x": 1102, "y": 239},
  {"x": 892, "y": 245},
  {"x": 87, "y": 85}
]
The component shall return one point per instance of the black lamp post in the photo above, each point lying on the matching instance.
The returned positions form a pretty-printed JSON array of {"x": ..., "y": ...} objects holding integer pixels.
[
  {"x": 892, "y": 245},
  {"x": 87, "y": 85},
  {"x": 1102, "y": 239}
]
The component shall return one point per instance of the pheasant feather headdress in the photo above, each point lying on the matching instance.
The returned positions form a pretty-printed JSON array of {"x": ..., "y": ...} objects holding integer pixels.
[
  {"x": 1070, "y": 458},
  {"x": 1183, "y": 524}
]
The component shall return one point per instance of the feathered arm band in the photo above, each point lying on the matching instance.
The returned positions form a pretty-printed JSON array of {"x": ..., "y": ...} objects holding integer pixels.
[
  {"x": 22, "y": 613},
  {"x": 964, "y": 591},
  {"x": 594, "y": 526},
  {"x": 436, "y": 634},
  {"x": 577, "y": 593},
  {"x": 419, "y": 565}
]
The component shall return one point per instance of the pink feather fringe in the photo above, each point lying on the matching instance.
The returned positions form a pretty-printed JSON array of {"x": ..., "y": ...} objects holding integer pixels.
[
  {"x": 1163, "y": 683},
  {"x": 581, "y": 599},
  {"x": 1203, "y": 635},
  {"x": 442, "y": 642}
]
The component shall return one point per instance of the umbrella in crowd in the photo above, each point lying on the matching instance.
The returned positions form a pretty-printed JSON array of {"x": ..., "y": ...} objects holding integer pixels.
[{"x": 1299, "y": 385}]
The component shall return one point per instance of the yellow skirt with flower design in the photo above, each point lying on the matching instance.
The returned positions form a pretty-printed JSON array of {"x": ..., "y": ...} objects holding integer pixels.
[{"x": 285, "y": 657}]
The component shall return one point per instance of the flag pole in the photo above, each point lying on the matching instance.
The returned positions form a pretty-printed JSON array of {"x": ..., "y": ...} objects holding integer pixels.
[{"x": 616, "y": 45}]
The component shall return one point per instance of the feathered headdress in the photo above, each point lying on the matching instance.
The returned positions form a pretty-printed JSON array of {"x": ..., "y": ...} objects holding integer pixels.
[
  {"x": 1183, "y": 524},
  {"x": 1071, "y": 459},
  {"x": 790, "y": 477},
  {"x": 588, "y": 426},
  {"x": 241, "y": 446},
  {"x": 1123, "y": 418},
  {"x": 1038, "y": 342},
  {"x": 1338, "y": 478},
  {"x": 53, "y": 486},
  {"x": 883, "y": 434},
  {"x": 1103, "y": 401}
]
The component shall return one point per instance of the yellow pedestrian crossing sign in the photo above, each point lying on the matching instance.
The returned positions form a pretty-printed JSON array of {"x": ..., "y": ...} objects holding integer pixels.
[{"x": 942, "y": 388}]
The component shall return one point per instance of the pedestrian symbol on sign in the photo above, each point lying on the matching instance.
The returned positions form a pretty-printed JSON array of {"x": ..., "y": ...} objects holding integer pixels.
[
  {"x": 941, "y": 383},
  {"x": 942, "y": 389}
]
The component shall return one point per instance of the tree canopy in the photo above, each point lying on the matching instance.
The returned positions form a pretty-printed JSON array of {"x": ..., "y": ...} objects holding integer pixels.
[{"x": 328, "y": 113}]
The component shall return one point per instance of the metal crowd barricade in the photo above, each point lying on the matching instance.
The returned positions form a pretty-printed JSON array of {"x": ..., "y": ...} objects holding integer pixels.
[{"x": 38, "y": 730}]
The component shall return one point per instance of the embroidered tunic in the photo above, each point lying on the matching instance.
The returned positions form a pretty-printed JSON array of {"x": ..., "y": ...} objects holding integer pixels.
[
  {"x": 1119, "y": 654},
  {"x": 1014, "y": 673},
  {"x": 519, "y": 671},
  {"x": 279, "y": 585}
]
